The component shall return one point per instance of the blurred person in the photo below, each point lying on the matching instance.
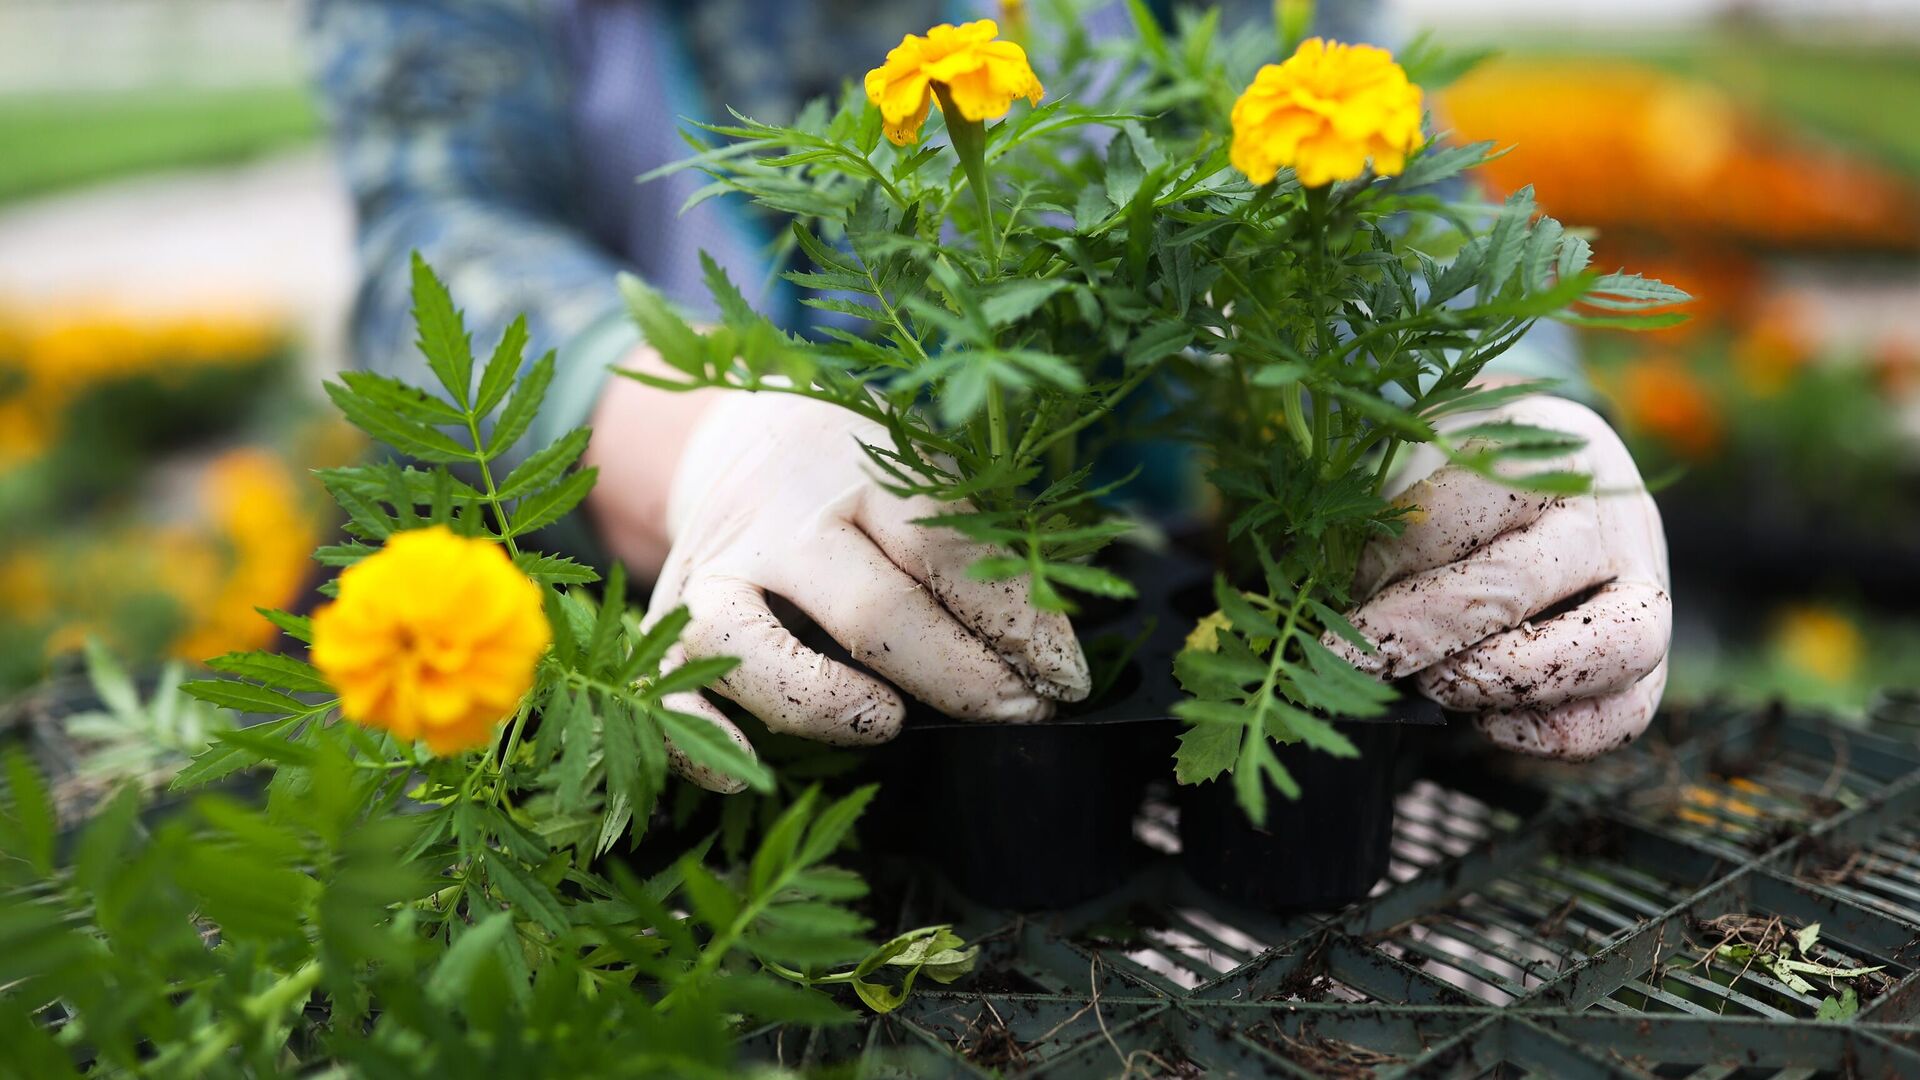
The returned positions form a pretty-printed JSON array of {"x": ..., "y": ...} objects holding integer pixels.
[{"x": 502, "y": 139}]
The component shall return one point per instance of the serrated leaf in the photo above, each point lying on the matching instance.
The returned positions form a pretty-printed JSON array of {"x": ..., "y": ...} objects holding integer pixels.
[
  {"x": 554, "y": 569},
  {"x": 706, "y": 745},
  {"x": 522, "y": 406},
  {"x": 692, "y": 675},
  {"x": 408, "y": 401},
  {"x": 243, "y": 697},
  {"x": 443, "y": 336},
  {"x": 1206, "y": 750},
  {"x": 30, "y": 825},
  {"x": 548, "y": 505},
  {"x": 1017, "y": 299},
  {"x": 273, "y": 669},
  {"x": 453, "y": 974},
  {"x": 545, "y": 465},
  {"x": 525, "y": 893},
  {"x": 830, "y": 828},
  {"x": 223, "y": 759},
  {"x": 652, "y": 646},
  {"x": 606, "y": 624},
  {"x": 622, "y": 756},
  {"x": 403, "y": 434},
  {"x": 497, "y": 379}
]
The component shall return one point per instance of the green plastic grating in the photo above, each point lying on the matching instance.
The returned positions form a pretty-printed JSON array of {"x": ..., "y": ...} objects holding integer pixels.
[{"x": 1542, "y": 921}]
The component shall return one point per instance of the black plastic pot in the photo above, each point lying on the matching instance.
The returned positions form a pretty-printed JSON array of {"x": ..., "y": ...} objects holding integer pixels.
[
  {"x": 1324, "y": 850},
  {"x": 1041, "y": 815}
]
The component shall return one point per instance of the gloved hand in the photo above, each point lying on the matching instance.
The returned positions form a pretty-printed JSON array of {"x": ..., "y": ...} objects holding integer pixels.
[
  {"x": 1454, "y": 597},
  {"x": 773, "y": 494}
]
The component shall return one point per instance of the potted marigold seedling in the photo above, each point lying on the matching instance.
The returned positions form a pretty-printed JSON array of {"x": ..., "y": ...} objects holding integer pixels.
[{"x": 1010, "y": 284}]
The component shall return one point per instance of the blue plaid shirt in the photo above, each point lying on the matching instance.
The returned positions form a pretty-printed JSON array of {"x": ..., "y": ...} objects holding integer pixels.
[{"x": 501, "y": 139}]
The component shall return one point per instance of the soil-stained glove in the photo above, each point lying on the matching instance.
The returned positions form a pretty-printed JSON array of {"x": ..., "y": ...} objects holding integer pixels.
[
  {"x": 1455, "y": 597},
  {"x": 774, "y": 495}
]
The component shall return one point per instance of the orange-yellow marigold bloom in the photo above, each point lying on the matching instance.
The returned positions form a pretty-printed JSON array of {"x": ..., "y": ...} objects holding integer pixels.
[
  {"x": 982, "y": 76},
  {"x": 434, "y": 637},
  {"x": 1324, "y": 112}
]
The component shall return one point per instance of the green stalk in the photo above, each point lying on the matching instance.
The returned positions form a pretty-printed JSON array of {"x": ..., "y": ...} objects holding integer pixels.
[
  {"x": 969, "y": 138},
  {"x": 996, "y": 422}
]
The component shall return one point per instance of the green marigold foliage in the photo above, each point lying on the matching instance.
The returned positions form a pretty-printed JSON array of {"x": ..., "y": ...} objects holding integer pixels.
[
  {"x": 396, "y": 914},
  {"x": 1304, "y": 337}
]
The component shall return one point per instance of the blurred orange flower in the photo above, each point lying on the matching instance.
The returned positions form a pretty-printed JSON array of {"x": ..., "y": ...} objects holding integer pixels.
[
  {"x": 1770, "y": 352},
  {"x": 1896, "y": 365},
  {"x": 1623, "y": 146},
  {"x": 1660, "y": 396}
]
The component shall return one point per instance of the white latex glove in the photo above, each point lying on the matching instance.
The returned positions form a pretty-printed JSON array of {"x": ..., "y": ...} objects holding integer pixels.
[
  {"x": 1453, "y": 597},
  {"x": 774, "y": 495}
]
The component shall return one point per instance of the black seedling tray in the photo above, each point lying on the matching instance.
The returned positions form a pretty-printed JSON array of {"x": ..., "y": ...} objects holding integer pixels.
[
  {"x": 1040, "y": 815},
  {"x": 1037, "y": 816}
]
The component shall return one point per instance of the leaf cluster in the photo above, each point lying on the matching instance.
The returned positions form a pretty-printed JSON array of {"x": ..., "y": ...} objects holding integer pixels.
[{"x": 369, "y": 907}]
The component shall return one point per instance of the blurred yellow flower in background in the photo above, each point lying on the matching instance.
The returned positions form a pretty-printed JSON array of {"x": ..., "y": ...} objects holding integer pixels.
[
  {"x": 435, "y": 637},
  {"x": 1325, "y": 112},
  {"x": 257, "y": 510},
  {"x": 1819, "y": 641},
  {"x": 980, "y": 74},
  {"x": 50, "y": 359}
]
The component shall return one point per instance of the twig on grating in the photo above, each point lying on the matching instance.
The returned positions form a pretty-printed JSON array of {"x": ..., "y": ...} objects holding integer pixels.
[
  {"x": 1762, "y": 935},
  {"x": 990, "y": 1043},
  {"x": 1320, "y": 1055},
  {"x": 1861, "y": 861}
]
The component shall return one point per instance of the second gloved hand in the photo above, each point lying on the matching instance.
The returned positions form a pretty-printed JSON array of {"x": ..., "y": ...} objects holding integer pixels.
[
  {"x": 774, "y": 495},
  {"x": 1460, "y": 596}
]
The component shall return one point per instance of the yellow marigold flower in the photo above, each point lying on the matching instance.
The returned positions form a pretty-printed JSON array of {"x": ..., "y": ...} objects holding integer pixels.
[
  {"x": 1821, "y": 642},
  {"x": 1324, "y": 113},
  {"x": 435, "y": 637},
  {"x": 981, "y": 74}
]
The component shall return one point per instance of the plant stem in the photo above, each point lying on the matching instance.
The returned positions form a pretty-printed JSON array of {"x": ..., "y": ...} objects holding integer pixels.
[
  {"x": 492, "y": 491},
  {"x": 996, "y": 422},
  {"x": 1386, "y": 463},
  {"x": 969, "y": 138},
  {"x": 513, "y": 743}
]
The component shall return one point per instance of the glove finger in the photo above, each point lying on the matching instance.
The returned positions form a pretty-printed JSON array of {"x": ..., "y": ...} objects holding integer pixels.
[
  {"x": 894, "y": 625},
  {"x": 1421, "y": 619},
  {"x": 790, "y": 687},
  {"x": 1455, "y": 513},
  {"x": 1601, "y": 647},
  {"x": 1040, "y": 645},
  {"x": 693, "y": 703},
  {"x": 1579, "y": 730}
]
